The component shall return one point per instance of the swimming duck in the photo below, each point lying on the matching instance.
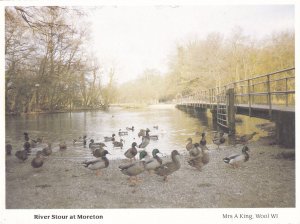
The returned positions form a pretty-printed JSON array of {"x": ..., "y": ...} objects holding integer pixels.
[
  {"x": 62, "y": 146},
  {"x": 142, "y": 133},
  {"x": 8, "y": 149},
  {"x": 122, "y": 133},
  {"x": 34, "y": 143},
  {"x": 38, "y": 161},
  {"x": 130, "y": 129},
  {"x": 132, "y": 152},
  {"x": 96, "y": 144},
  {"x": 203, "y": 139},
  {"x": 134, "y": 169},
  {"x": 154, "y": 162},
  {"x": 153, "y": 137},
  {"x": 98, "y": 164},
  {"x": 245, "y": 138},
  {"x": 47, "y": 150},
  {"x": 170, "y": 167},
  {"x": 80, "y": 141},
  {"x": 190, "y": 144},
  {"x": 112, "y": 138},
  {"x": 155, "y": 127},
  {"x": 145, "y": 140},
  {"x": 237, "y": 159},
  {"x": 219, "y": 140},
  {"x": 22, "y": 155},
  {"x": 118, "y": 144}
]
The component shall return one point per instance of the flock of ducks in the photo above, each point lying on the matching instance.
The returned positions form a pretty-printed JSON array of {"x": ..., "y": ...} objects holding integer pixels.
[{"x": 198, "y": 153}]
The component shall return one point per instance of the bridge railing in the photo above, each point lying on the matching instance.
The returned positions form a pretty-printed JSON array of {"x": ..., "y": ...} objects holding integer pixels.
[{"x": 273, "y": 89}]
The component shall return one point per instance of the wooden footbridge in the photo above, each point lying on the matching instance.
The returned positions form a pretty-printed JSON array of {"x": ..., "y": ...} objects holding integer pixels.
[{"x": 269, "y": 96}]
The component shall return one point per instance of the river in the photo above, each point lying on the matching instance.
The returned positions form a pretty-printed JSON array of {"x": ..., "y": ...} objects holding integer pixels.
[{"x": 174, "y": 127}]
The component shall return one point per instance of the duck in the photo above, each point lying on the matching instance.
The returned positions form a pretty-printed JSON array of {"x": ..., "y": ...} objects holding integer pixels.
[
  {"x": 98, "y": 152},
  {"x": 196, "y": 151},
  {"x": 47, "y": 150},
  {"x": 22, "y": 155},
  {"x": 134, "y": 169},
  {"x": 245, "y": 138},
  {"x": 62, "y": 146},
  {"x": 8, "y": 149},
  {"x": 154, "y": 162},
  {"x": 130, "y": 129},
  {"x": 27, "y": 147},
  {"x": 96, "y": 144},
  {"x": 26, "y": 137},
  {"x": 155, "y": 127},
  {"x": 237, "y": 159},
  {"x": 205, "y": 155},
  {"x": 203, "y": 139},
  {"x": 98, "y": 164},
  {"x": 219, "y": 140},
  {"x": 153, "y": 137},
  {"x": 118, "y": 144},
  {"x": 112, "y": 138},
  {"x": 131, "y": 152},
  {"x": 142, "y": 133},
  {"x": 145, "y": 140},
  {"x": 38, "y": 161},
  {"x": 34, "y": 143},
  {"x": 200, "y": 160},
  {"x": 168, "y": 168},
  {"x": 80, "y": 141},
  {"x": 122, "y": 133},
  {"x": 190, "y": 144}
]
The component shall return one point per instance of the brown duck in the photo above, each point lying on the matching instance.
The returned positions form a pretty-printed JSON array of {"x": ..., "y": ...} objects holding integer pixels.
[
  {"x": 132, "y": 152},
  {"x": 38, "y": 161},
  {"x": 22, "y": 155},
  {"x": 168, "y": 168}
]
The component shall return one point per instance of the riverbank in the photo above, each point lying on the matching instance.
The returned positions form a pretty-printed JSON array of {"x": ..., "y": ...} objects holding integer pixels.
[{"x": 264, "y": 181}]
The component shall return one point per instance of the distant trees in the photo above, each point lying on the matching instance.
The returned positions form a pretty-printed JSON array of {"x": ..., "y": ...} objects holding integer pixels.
[
  {"x": 200, "y": 64},
  {"x": 47, "y": 66}
]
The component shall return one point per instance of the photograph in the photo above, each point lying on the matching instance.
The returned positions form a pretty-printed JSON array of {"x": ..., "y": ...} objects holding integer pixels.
[{"x": 140, "y": 107}]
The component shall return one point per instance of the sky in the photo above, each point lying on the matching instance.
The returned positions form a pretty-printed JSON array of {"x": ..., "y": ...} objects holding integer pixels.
[{"x": 134, "y": 38}]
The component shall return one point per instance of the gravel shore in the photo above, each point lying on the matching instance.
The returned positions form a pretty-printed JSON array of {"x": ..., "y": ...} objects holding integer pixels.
[{"x": 263, "y": 181}]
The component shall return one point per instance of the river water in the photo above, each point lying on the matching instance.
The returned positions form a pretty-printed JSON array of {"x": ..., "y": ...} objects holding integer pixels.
[{"x": 174, "y": 127}]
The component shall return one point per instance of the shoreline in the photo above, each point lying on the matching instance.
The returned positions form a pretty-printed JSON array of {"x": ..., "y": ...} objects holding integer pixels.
[{"x": 62, "y": 183}]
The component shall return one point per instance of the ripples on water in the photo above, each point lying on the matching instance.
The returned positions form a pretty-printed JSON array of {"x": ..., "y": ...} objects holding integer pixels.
[{"x": 174, "y": 127}]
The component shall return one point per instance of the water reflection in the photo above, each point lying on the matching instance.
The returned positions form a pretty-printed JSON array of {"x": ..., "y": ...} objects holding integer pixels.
[{"x": 174, "y": 127}]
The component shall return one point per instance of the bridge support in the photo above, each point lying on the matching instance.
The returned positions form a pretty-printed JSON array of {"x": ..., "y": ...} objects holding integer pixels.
[
  {"x": 285, "y": 128},
  {"x": 230, "y": 111}
]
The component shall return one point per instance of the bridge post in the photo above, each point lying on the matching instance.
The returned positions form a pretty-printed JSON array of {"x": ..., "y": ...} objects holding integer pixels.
[
  {"x": 230, "y": 111},
  {"x": 285, "y": 128}
]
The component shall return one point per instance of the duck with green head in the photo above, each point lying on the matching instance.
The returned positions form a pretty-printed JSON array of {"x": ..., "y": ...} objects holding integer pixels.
[
  {"x": 237, "y": 159},
  {"x": 136, "y": 168},
  {"x": 98, "y": 164},
  {"x": 154, "y": 162},
  {"x": 168, "y": 168}
]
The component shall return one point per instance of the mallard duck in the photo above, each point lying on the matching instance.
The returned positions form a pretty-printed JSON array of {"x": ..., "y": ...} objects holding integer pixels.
[
  {"x": 112, "y": 138},
  {"x": 142, "y": 133},
  {"x": 205, "y": 155},
  {"x": 22, "y": 155},
  {"x": 118, "y": 144},
  {"x": 98, "y": 152},
  {"x": 196, "y": 151},
  {"x": 219, "y": 140},
  {"x": 154, "y": 162},
  {"x": 145, "y": 140},
  {"x": 153, "y": 137},
  {"x": 132, "y": 152},
  {"x": 96, "y": 144},
  {"x": 170, "y": 167},
  {"x": 136, "y": 168},
  {"x": 8, "y": 149},
  {"x": 130, "y": 129},
  {"x": 27, "y": 147},
  {"x": 122, "y": 133},
  {"x": 201, "y": 159},
  {"x": 62, "y": 146},
  {"x": 245, "y": 138},
  {"x": 190, "y": 144},
  {"x": 98, "y": 164},
  {"x": 34, "y": 143},
  {"x": 236, "y": 159},
  {"x": 80, "y": 141},
  {"x": 155, "y": 127},
  {"x": 38, "y": 161},
  {"x": 203, "y": 139},
  {"x": 196, "y": 162},
  {"x": 47, "y": 150},
  {"x": 26, "y": 137}
]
